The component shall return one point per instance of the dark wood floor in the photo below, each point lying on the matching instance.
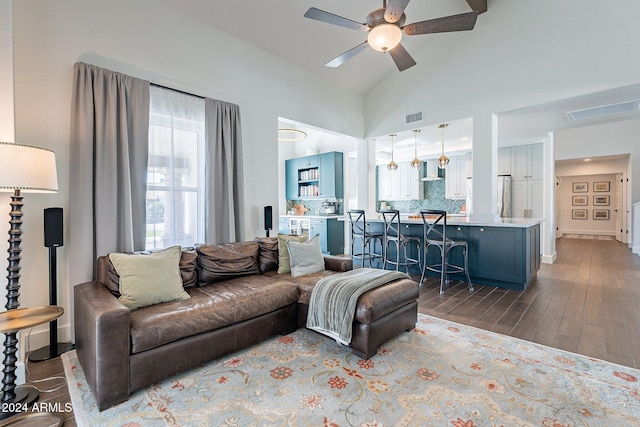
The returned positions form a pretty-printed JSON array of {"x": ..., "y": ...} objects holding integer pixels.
[{"x": 587, "y": 302}]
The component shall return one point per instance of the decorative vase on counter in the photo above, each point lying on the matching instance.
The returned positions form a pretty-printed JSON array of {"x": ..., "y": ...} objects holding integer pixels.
[{"x": 300, "y": 209}]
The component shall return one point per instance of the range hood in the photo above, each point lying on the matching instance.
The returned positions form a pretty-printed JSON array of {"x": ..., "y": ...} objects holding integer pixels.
[{"x": 433, "y": 172}]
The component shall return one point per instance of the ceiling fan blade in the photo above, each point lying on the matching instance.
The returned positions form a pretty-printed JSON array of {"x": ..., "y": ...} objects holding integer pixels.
[
  {"x": 330, "y": 18},
  {"x": 462, "y": 22},
  {"x": 401, "y": 57},
  {"x": 347, "y": 55},
  {"x": 479, "y": 6},
  {"x": 394, "y": 10}
]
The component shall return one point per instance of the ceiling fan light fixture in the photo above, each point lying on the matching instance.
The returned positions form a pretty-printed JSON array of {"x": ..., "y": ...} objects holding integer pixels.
[{"x": 384, "y": 37}]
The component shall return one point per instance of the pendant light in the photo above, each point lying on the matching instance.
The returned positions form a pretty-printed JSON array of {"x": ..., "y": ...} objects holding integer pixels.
[
  {"x": 443, "y": 161},
  {"x": 392, "y": 166},
  {"x": 415, "y": 163}
]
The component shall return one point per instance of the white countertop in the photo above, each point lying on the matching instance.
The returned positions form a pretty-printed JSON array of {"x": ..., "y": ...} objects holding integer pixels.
[
  {"x": 311, "y": 216},
  {"x": 463, "y": 220}
]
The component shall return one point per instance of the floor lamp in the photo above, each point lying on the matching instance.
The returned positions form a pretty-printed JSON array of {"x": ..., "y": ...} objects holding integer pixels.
[{"x": 27, "y": 169}]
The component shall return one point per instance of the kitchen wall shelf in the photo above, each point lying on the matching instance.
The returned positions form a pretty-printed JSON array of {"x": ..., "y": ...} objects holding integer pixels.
[{"x": 319, "y": 176}]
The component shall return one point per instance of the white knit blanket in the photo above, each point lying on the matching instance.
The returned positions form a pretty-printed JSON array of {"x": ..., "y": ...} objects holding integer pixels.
[{"x": 333, "y": 301}]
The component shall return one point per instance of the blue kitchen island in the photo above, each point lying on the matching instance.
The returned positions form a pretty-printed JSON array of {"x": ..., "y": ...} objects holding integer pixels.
[{"x": 503, "y": 253}]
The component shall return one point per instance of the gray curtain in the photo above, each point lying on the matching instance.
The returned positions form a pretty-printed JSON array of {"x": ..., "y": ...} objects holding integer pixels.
[
  {"x": 109, "y": 146},
  {"x": 224, "y": 172}
]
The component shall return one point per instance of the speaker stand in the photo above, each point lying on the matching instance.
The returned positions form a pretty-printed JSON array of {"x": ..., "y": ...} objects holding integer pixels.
[{"x": 54, "y": 349}]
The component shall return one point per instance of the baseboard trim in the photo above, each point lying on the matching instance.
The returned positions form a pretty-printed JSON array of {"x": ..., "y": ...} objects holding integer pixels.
[
  {"x": 591, "y": 232},
  {"x": 549, "y": 259}
]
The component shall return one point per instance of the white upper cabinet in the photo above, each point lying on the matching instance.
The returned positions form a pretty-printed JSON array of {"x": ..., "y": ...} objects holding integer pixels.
[
  {"x": 527, "y": 191},
  {"x": 457, "y": 172},
  {"x": 401, "y": 184},
  {"x": 527, "y": 161},
  {"x": 410, "y": 184}
]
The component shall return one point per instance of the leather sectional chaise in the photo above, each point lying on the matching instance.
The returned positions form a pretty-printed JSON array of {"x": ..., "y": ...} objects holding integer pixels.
[{"x": 237, "y": 299}]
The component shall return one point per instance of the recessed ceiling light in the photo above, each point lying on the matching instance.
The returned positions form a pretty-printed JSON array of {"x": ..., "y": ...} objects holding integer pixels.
[{"x": 587, "y": 160}]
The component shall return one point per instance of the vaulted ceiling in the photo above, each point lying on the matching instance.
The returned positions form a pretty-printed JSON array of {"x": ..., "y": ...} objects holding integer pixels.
[{"x": 279, "y": 27}]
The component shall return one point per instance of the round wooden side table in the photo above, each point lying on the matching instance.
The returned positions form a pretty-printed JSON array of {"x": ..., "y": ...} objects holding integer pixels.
[{"x": 16, "y": 399}]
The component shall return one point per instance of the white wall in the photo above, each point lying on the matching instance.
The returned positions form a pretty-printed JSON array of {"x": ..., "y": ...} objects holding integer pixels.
[
  {"x": 619, "y": 138},
  {"x": 146, "y": 40},
  {"x": 566, "y": 222}
]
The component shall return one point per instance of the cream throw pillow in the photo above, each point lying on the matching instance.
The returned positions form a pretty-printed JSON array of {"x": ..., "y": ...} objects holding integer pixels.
[
  {"x": 306, "y": 258},
  {"x": 284, "y": 264},
  {"x": 149, "y": 279}
]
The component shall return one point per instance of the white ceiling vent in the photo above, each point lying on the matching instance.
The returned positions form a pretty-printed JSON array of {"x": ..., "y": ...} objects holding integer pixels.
[
  {"x": 413, "y": 117},
  {"x": 604, "y": 110}
]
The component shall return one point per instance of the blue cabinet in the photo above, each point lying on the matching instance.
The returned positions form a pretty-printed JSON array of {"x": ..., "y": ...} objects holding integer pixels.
[
  {"x": 283, "y": 225},
  {"x": 507, "y": 257},
  {"x": 491, "y": 248},
  {"x": 330, "y": 231},
  {"x": 291, "y": 170},
  {"x": 319, "y": 176},
  {"x": 331, "y": 175}
]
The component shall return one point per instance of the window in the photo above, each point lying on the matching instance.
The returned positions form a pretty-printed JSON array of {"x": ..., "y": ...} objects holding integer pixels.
[{"x": 175, "y": 174}]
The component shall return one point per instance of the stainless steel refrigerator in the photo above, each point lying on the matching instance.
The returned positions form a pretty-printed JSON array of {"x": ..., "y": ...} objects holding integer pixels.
[{"x": 504, "y": 196}]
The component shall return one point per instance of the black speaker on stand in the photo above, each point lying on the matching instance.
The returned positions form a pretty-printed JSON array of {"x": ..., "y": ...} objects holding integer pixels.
[
  {"x": 268, "y": 219},
  {"x": 53, "y": 238}
]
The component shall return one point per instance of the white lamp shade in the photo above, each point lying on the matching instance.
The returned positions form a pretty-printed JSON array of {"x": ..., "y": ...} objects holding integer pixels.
[
  {"x": 384, "y": 37},
  {"x": 27, "y": 168}
]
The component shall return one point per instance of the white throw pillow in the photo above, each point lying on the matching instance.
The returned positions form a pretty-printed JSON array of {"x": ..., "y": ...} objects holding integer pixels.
[
  {"x": 284, "y": 264},
  {"x": 306, "y": 258}
]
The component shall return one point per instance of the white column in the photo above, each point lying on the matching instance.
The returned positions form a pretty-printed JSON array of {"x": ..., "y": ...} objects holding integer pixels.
[
  {"x": 635, "y": 244},
  {"x": 548, "y": 227},
  {"x": 484, "y": 167},
  {"x": 362, "y": 174}
]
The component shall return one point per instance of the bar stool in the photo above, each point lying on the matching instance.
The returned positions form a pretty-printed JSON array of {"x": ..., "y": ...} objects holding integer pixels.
[
  {"x": 360, "y": 231},
  {"x": 433, "y": 237},
  {"x": 393, "y": 234}
]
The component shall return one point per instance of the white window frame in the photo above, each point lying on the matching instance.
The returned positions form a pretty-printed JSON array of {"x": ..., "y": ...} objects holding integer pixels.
[{"x": 178, "y": 124}]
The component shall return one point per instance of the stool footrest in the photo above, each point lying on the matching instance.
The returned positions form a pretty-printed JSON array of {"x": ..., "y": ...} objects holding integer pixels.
[{"x": 449, "y": 268}]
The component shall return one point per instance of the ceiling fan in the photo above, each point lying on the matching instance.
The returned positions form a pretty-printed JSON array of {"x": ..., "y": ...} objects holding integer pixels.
[{"x": 386, "y": 25}]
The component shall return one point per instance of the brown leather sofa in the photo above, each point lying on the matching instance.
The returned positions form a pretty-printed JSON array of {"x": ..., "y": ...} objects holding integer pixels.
[{"x": 231, "y": 307}]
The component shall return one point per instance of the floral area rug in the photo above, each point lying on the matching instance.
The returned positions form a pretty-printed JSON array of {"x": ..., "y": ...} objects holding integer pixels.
[{"x": 440, "y": 374}]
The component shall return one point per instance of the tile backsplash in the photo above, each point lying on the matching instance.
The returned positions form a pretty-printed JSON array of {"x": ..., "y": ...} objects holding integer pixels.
[
  {"x": 314, "y": 205},
  {"x": 434, "y": 198}
]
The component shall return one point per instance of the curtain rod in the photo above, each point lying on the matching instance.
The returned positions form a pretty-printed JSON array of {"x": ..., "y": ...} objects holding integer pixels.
[{"x": 176, "y": 90}]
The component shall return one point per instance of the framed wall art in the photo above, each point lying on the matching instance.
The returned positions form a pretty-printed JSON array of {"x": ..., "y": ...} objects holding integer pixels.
[
  {"x": 601, "y": 200},
  {"x": 601, "y": 186},
  {"x": 579, "y": 200},
  {"x": 580, "y": 187},
  {"x": 579, "y": 214},
  {"x": 601, "y": 214}
]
